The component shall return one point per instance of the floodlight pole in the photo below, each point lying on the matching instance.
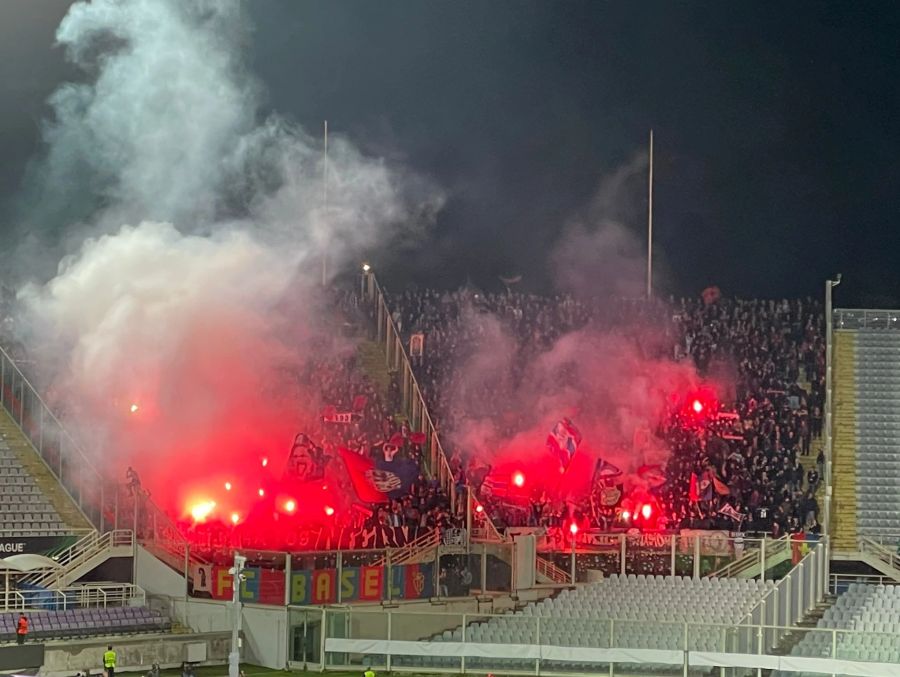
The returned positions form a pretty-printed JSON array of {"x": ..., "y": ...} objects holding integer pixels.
[
  {"x": 234, "y": 658},
  {"x": 650, "y": 223},
  {"x": 325, "y": 205},
  {"x": 829, "y": 401}
]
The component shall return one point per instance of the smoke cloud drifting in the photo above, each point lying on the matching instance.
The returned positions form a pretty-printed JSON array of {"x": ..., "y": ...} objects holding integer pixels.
[
  {"x": 193, "y": 233},
  {"x": 612, "y": 373}
]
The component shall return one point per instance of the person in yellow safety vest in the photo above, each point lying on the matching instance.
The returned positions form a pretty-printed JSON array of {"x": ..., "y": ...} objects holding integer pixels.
[
  {"x": 369, "y": 673},
  {"x": 109, "y": 662}
]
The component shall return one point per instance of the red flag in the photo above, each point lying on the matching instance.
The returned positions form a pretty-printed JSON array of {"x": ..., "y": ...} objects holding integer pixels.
[
  {"x": 359, "y": 467},
  {"x": 417, "y": 438},
  {"x": 720, "y": 486},
  {"x": 359, "y": 403},
  {"x": 693, "y": 494}
]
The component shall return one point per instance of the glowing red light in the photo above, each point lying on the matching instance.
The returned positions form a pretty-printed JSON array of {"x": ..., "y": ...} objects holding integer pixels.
[
  {"x": 201, "y": 511},
  {"x": 646, "y": 511},
  {"x": 626, "y": 515},
  {"x": 262, "y": 492},
  {"x": 518, "y": 479},
  {"x": 290, "y": 505},
  {"x": 573, "y": 528},
  {"x": 697, "y": 406},
  {"x": 479, "y": 508},
  {"x": 134, "y": 408},
  {"x": 235, "y": 518},
  {"x": 227, "y": 486},
  {"x": 329, "y": 510},
  {"x": 265, "y": 462}
]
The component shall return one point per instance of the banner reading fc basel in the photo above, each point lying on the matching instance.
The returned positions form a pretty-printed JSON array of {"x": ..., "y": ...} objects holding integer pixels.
[{"x": 317, "y": 586}]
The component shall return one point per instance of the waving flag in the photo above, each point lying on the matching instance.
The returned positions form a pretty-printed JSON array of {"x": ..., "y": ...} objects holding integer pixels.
[
  {"x": 728, "y": 511},
  {"x": 563, "y": 442},
  {"x": 721, "y": 488},
  {"x": 378, "y": 481}
]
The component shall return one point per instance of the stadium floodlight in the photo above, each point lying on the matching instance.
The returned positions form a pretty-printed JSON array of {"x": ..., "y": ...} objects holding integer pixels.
[{"x": 366, "y": 267}]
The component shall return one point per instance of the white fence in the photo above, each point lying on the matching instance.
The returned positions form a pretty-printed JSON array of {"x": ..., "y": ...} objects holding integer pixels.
[
  {"x": 342, "y": 638},
  {"x": 90, "y": 595}
]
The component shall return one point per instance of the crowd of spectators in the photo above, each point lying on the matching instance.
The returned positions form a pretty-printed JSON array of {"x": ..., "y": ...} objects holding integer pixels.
[
  {"x": 332, "y": 383},
  {"x": 756, "y": 468}
]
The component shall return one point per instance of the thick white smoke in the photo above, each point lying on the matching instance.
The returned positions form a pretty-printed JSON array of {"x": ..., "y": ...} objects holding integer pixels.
[{"x": 199, "y": 233}]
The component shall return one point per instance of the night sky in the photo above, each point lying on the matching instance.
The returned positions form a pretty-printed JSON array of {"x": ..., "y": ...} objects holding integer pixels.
[{"x": 776, "y": 126}]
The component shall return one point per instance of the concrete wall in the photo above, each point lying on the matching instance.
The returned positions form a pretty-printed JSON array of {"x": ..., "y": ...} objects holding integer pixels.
[
  {"x": 202, "y": 615},
  {"x": 265, "y": 636},
  {"x": 157, "y": 578},
  {"x": 135, "y": 653},
  {"x": 264, "y": 628}
]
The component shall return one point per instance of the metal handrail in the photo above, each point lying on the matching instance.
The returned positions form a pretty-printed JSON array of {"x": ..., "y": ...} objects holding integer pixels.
[
  {"x": 80, "y": 552},
  {"x": 888, "y": 556},
  {"x": 100, "y": 595},
  {"x": 427, "y": 541},
  {"x": 74, "y": 452},
  {"x": 416, "y": 390},
  {"x": 866, "y": 318},
  {"x": 749, "y": 560},
  {"x": 550, "y": 570}
]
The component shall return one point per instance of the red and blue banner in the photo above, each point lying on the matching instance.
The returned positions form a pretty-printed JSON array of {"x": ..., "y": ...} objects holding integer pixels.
[{"x": 318, "y": 586}]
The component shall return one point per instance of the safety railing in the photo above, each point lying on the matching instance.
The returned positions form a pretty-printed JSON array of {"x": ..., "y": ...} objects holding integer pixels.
[
  {"x": 793, "y": 596},
  {"x": 846, "y": 318},
  {"x": 99, "y": 499},
  {"x": 839, "y": 583},
  {"x": 435, "y": 641},
  {"x": 413, "y": 402},
  {"x": 887, "y": 556},
  {"x": 414, "y": 550},
  {"x": 758, "y": 554},
  {"x": 80, "y": 554},
  {"x": 549, "y": 570},
  {"x": 92, "y": 595},
  {"x": 75, "y": 472}
]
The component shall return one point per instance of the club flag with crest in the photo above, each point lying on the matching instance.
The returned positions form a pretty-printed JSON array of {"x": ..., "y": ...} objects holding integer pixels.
[
  {"x": 396, "y": 476},
  {"x": 563, "y": 442},
  {"x": 378, "y": 481}
]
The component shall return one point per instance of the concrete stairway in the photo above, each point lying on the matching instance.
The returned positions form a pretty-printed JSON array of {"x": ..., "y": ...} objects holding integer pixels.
[
  {"x": 84, "y": 556},
  {"x": 371, "y": 359},
  {"x": 35, "y": 466},
  {"x": 809, "y": 622},
  {"x": 843, "y": 476}
]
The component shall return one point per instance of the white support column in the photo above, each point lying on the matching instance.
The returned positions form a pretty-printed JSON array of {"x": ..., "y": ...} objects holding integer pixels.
[{"x": 234, "y": 658}]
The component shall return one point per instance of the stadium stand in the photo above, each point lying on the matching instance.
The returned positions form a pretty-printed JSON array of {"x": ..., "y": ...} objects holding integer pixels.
[
  {"x": 871, "y": 615},
  {"x": 778, "y": 347},
  {"x": 646, "y": 613},
  {"x": 878, "y": 432},
  {"x": 23, "y": 507},
  {"x": 72, "y": 623}
]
